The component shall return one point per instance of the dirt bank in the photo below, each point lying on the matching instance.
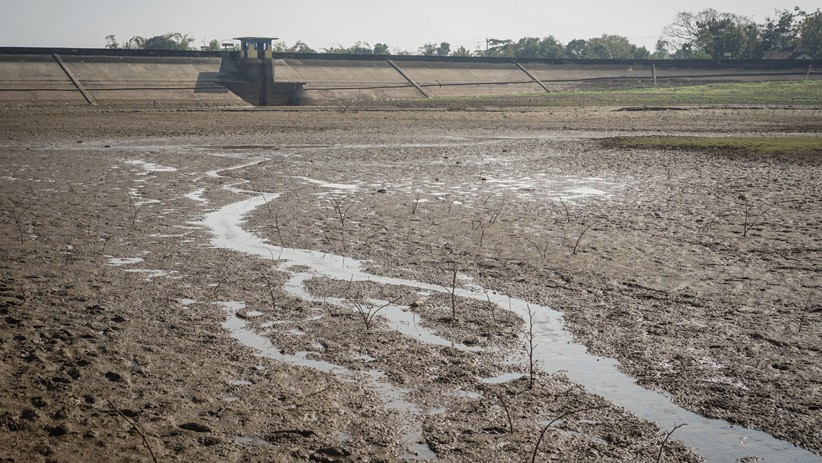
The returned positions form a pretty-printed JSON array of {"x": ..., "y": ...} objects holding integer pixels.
[{"x": 698, "y": 272}]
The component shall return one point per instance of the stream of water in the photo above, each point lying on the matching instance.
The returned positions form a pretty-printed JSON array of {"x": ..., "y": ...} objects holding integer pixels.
[{"x": 716, "y": 440}]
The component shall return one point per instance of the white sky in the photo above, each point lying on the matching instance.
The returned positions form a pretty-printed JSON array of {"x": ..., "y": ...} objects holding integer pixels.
[{"x": 323, "y": 23}]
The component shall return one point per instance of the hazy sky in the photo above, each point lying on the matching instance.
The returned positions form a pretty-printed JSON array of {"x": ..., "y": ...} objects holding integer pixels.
[{"x": 323, "y": 23}]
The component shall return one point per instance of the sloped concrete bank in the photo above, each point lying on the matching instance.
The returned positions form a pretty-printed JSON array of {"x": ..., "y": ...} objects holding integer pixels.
[{"x": 61, "y": 76}]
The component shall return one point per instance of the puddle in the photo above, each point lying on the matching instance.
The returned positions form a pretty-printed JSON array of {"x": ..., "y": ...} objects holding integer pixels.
[
  {"x": 328, "y": 185},
  {"x": 555, "y": 350},
  {"x": 186, "y": 302},
  {"x": 150, "y": 167},
  {"x": 123, "y": 261},
  {"x": 504, "y": 378},
  {"x": 251, "y": 441},
  {"x": 197, "y": 195},
  {"x": 151, "y": 274},
  {"x": 471, "y": 395},
  {"x": 392, "y": 396}
]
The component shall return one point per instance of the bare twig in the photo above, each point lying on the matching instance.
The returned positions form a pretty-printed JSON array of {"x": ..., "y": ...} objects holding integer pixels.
[
  {"x": 453, "y": 293},
  {"x": 574, "y": 252},
  {"x": 278, "y": 229},
  {"x": 271, "y": 293},
  {"x": 495, "y": 214},
  {"x": 545, "y": 429},
  {"x": 342, "y": 214},
  {"x": 530, "y": 348},
  {"x": 136, "y": 428},
  {"x": 746, "y": 227},
  {"x": 802, "y": 317},
  {"x": 366, "y": 311},
  {"x": 415, "y": 202},
  {"x": 507, "y": 412},
  {"x": 493, "y": 306},
  {"x": 134, "y": 207},
  {"x": 17, "y": 216},
  {"x": 567, "y": 215},
  {"x": 542, "y": 251},
  {"x": 664, "y": 441}
]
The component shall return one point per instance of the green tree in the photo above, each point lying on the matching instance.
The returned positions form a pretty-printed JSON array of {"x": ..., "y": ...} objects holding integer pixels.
[
  {"x": 533, "y": 47},
  {"x": 380, "y": 49},
  {"x": 301, "y": 47},
  {"x": 605, "y": 47},
  {"x": 111, "y": 42},
  {"x": 527, "y": 47},
  {"x": 359, "y": 48},
  {"x": 712, "y": 34},
  {"x": 499, "y": 48},
  {"x": 728, "y": 37},
  {"x": 135, "y": 43},
  {"x": 782, "y": 32},
  {"x": 429, "y": 49},
  {"x": 444, "y": 49},
  {"x": 461, "y": 51},
  {"x": 551, "y": 48},
  {"x": 661, "y": 50},
  {"x": 576, "y": 48},
  {"x": 168, "y": 41},
  {"x": 810, "y": 34}
]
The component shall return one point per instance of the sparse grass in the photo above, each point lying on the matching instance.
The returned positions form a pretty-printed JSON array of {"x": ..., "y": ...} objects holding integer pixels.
[
  {"x": 782, "y": 93},
  {"x": 802, "y": 145}
]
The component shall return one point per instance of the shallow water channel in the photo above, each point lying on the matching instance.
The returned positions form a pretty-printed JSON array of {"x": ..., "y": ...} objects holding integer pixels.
[{"x": 716, "y": 440}]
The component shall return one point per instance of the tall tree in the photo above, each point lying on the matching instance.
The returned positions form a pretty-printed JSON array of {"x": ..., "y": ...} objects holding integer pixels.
[
  {"x": 359, "y": 48},
  {"x": 782, "y": 31},
  {"x": 711, "y": 34},
  {"x": 444, "y": 49},
  {"x": 661, "y": 50},
  {"x": 499, "y": 47},
  {"x": 810, "y": 33},
  {"x": 168, "y": 41},
  {"x": 111, "y": 42},
  {"x": 576, "y": 48},
  {"x": 428, "y": 49},
  {"x": 461, "y": 51}
]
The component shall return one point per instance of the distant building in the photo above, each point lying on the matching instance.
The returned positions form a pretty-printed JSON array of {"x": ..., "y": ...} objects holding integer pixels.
[{"x": 787, "y": 54}]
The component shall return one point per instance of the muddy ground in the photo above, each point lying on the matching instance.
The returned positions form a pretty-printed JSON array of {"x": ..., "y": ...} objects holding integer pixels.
[{"x": 698, "y": 271}]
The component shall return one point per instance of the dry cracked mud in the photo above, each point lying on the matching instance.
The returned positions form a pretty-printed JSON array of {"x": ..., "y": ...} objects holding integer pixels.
[{"x": 129, "y": 334}]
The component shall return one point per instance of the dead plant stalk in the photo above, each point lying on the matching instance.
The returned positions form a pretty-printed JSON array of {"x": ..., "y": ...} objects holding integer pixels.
[
  {"x": 530, "y": 348},
  {"x": 17, "y": 215},
  {"x": 566, "y": 414}
]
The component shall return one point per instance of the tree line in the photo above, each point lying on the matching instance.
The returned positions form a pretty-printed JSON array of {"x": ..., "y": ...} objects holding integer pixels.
[{"x": 708, "y": 34}]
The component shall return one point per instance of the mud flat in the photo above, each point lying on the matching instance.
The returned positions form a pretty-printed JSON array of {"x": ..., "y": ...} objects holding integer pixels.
[{"x": 375, "y": 286}]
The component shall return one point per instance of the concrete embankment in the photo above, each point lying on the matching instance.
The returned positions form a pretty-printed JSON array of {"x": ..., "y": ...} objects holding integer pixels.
[
  {"x": 86, "y": 78},
  {"x": 149, "y": 78}
]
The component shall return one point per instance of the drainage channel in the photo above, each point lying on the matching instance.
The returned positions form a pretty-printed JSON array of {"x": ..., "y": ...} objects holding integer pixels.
[{"x": 716, "y": 440}]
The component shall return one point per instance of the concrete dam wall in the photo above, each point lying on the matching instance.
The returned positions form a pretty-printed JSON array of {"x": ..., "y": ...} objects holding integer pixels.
[{"x": 155, "y": 78}]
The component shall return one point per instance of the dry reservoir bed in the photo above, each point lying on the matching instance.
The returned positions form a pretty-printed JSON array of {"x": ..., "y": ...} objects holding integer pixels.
[{"x": 421, "y": 285}]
